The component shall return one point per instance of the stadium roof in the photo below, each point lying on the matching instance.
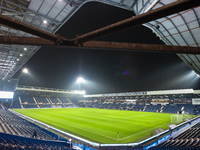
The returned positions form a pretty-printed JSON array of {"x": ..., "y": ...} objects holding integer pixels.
[
  {"x": 161, "y": 92},
  {"x": 48, "y": 90},
  {"x": 181, "y": 29}
]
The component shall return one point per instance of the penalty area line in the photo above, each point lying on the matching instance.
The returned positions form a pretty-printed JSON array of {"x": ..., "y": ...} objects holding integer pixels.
[{"x": 89, "y": 131}]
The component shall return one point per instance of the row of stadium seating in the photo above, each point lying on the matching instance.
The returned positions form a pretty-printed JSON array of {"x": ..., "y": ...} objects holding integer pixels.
[
  {"x": 16, "y": 133},
  {"x": 188, "y": 140},
  {"x": 12, "y": 142},
  {"x": 27, "y": 101},
  {"x": 12, "y": 124},
  {"x": 178, "y": 108}
]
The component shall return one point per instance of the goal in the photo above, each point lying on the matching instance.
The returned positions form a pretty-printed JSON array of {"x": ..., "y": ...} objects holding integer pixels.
[
  {"x": 176, "y": 118},
  {"x": 187, "y": 116}
]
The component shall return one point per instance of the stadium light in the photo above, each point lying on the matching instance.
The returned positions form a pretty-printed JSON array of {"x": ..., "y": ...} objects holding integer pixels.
[
  {"x": 44, "y": 21},
  {"x": 80, "y": 80},
  {"x": 25, "y": 70}
]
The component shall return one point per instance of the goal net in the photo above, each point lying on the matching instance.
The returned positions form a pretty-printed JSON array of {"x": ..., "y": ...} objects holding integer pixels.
[
  {"x": 187, "y": 116},
  {"x": 178, "y": 118}
]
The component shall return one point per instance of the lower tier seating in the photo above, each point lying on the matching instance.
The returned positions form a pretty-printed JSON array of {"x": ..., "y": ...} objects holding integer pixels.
[
  {"x": 188, "y": 140},
  {"x": 13, "y": 142}
]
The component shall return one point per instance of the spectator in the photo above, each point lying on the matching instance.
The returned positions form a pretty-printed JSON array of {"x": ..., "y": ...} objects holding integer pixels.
[
  {"x": 34, "y": 134},
  {"x": 170, "y": 131}
]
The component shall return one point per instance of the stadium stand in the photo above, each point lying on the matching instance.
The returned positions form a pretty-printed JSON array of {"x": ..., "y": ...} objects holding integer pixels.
[
  {"x": 96, "y": 105},
  {"x": 16, "y": 133},
  {"x": 31, "y": 101},
  {"x": 41, "y": 99},
  {"x": 113, "y": 106},
  {"x": 28, "y": 99},
  {"x": 138, "y": 107},
  {"x": 13, "y": 142},
  {"x": 153, "y": 108},
  {"x": 174, "y": 103},
  {"x": 12, "y": 124},
  {"x": 187, "y": 140},
  {"x": 55, "y": 101},
  {"x": 16, "y": 102}
]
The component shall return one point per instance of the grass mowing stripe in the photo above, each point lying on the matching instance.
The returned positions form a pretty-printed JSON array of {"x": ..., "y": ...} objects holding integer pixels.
[
  {"x": 102, "y": 125},
  {"x": 142, "y": 132}
]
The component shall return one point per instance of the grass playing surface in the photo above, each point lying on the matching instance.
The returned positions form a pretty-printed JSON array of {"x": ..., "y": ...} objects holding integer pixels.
[{"x": 102, "y": 125}]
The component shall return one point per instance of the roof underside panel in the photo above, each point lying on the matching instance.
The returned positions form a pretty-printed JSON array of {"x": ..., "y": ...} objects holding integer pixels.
[
  {"x": 178, "y": 29},
  {"x": 181, "y": 29},
  {"x": 13, "y": 57}
]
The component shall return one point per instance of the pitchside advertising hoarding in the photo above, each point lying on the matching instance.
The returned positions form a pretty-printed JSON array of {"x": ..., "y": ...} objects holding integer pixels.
[{"x": 196, "y": 101}]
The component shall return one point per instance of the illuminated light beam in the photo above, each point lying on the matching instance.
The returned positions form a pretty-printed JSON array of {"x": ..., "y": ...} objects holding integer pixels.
[{"x": 80, "y": 80}]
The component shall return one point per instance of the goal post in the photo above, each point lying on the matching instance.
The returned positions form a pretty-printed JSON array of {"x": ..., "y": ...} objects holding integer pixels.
[{"x": 178, "y": 118}]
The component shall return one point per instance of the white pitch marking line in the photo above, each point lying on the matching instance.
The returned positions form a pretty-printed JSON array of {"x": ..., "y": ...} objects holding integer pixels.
[
  {"x": 141, "y": 132},
  {"x": 90, "y": 131}
]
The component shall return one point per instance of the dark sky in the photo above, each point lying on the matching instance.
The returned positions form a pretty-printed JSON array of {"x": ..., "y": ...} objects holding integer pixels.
[{"x": 107, "y": 71}]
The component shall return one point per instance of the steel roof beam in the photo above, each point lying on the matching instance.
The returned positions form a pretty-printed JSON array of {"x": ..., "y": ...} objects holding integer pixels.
[
  {"x": 141, "y": 47},
  {"x": 167, "y": 10},
  {"x": 13, "y": 23},
  {"x": 17, "y": 40},
  {"x": 102, "y": 45},
  {"x": 33, "y": 12},
  {"x": 127, "y": 23}
]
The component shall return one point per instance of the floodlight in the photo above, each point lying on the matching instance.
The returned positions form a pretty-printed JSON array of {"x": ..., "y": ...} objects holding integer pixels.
[
  {"x": 44, "y": 21},
  {"x": 80, "y": 80},
  {"x": 25, "y": 48},
  {"x": 25, "y": 70}
]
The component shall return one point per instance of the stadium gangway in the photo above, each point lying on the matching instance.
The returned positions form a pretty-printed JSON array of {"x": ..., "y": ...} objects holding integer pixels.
[{"x": 145, "y": 144}]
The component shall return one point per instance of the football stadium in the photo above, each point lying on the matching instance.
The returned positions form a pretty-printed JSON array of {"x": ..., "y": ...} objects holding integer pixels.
[{"x": 120, "y": 108}]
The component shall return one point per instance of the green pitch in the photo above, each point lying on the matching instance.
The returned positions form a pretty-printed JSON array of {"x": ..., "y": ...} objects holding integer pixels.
[{"x": 102, "y": 125}]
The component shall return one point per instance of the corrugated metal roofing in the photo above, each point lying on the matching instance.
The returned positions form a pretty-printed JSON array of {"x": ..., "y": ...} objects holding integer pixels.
[{"x": 182, "y": 29}]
